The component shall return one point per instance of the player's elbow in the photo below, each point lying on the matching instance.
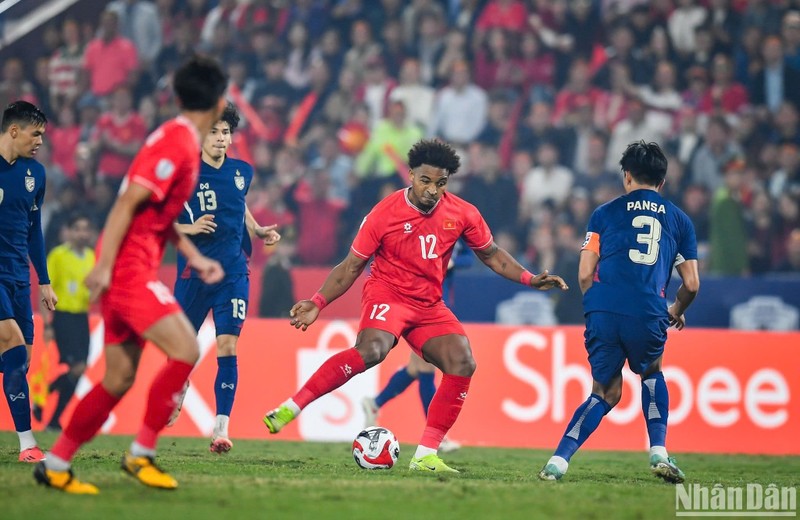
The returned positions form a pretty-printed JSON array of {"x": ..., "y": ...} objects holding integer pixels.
[{"x": 692, "y": 285}]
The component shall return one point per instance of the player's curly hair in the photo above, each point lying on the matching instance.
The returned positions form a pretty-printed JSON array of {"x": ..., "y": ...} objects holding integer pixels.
[
  {"x": 231, "y": 116},
  {"x": 434, "y": 153},
  {"x": 646, "y": 163}
]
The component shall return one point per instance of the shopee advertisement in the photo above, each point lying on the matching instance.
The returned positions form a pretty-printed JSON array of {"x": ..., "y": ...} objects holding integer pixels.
[{"x": 730, "y": 392}]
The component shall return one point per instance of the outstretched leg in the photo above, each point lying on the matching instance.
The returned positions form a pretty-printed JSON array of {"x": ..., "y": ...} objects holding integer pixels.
[{"x": 372, "y": 346}]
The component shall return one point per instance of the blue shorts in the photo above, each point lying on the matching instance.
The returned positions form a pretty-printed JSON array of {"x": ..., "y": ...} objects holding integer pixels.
[
  {"x": 15, "y": 304},
  {"x": 610, "y": 339},
  {"x": 228, "y": 299}
]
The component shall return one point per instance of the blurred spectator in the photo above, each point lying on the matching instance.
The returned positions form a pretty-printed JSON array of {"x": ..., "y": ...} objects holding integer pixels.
[
  {"x": 724, "y": 95},
  {"x": 64, "y": 137},
  {"x": 747, "y": 54},
  {"x": 537, "y": 66},
  {"x": 14, "y": 86},
  {"x": 792, "y": 262},
  {"x": 662, "y": 94},
  {"x": 728, "y": 234},
  {"x": 139, "y": 23},
  {"x": 179, "y": 50},
  {"x": 111, "y": 60},
  {"x": 695, "y": 203},
  {"x": 341, "y": 104},
  {"x": 429, "y": 43},
  {"x": 454, "y": 51},
  {"x": 596, "y": 173},
  {"x": 762, "y": 233},
  {"x": 494, "y": 66},
  {"x": 775, "y": 81},
  {"x": 219, "y": 15},
  {"x": 277, "y": 287},
  {"x": 683, "y": 21},
  {"x": 537, "y": 127},
  {"x": 547, "y": 181},
  {"x": 459, "y": 112},
  {"x": 638, "y": 124},
  {"x": 713, "y": 154},
  {"x": 297, "y": 71},
  {"x": 68, "y": 199},
  {"x": 416, "y": 96},
  {"x": 790, "y": 32},
  {"x": 318, "y": 218},
  {"x": 384, "y": 153},
  {"x": 497, "y": 121},
  {"x": 273, "y": 83},
  {"x": 393, "y": 48},
  {"x": 577, "y": 90},
  {"x": 787, "y": 178},
  {"x": 725, "y": 22},
  {"x": 376, "y": 89},
  {"x": 119, "y": 135},
  {"x": 65, "y": 67},
  {"x": 785, "y": 125},
  {"x": 622, "y": 52},
  {"x": 504, "y": 14},
  {"x": 764, "y": 14},
  {"x": 492, "y": 191},
  {"x": 338, "y": 165},
  {"x": 362, "y": 46}
]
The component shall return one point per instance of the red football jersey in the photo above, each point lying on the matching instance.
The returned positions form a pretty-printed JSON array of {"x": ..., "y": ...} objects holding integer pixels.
[
  {"x": 168, "y": 165},
  {"x": 412, "y": 248}
]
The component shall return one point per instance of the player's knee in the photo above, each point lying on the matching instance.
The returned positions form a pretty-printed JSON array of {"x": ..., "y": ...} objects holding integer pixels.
[
  {"x": 459, "y": 361},
  {"x": 118, "y": 383},
  {"x": 372, "y": 351},
  {"x": 10, "y": 337}
]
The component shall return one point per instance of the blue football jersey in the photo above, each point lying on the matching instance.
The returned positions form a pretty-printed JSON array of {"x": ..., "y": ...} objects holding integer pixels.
[
  {"x": 640, "y": 236},
  {"x": 221, "y": 192},
  {"x": 22, "y": 188}
]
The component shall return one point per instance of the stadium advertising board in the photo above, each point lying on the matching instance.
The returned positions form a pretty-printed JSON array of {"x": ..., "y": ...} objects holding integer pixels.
[{"x": 730, "y": 392}]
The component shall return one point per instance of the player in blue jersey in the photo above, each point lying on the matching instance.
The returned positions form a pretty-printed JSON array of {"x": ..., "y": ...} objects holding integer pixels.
[
  {"x": 217, "y": 220},
  {"x": 22, "y": 184},
  {"x": 631, "y": 247}
]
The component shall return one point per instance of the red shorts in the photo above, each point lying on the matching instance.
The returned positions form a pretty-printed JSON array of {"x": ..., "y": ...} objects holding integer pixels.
[
  {"x": 417, "y": 323},
  {"x": 132, "y": 304}
]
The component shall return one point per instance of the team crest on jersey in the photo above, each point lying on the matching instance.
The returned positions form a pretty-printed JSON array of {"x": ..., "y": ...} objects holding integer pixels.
[
  {"x": 30, "y": 182},
  {"x": 449, "y": 223},
  {"x": 239, "y": 180},
  {"x": 407, "y": 227},
  {"x": 164, "y": 169}
]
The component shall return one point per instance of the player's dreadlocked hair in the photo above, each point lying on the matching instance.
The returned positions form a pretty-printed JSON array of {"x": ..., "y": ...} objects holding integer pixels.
[
  {"x": 646, "y": 163},
  {"x": 231, "y": 116},
  {"x": 434, "y": 153}
]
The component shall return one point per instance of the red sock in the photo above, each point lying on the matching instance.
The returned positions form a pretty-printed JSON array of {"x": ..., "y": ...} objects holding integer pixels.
[
  {"x": 86, "y": 421},
  {"x": 333, "y": 373},
  {"x": 444, "y": 409},
  {"x": 162, "y": 400}
]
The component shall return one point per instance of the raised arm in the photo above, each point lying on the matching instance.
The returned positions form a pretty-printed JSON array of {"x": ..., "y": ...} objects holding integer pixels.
[
  {"x": 339, "y": 280},
  {"x": 689, "y": 273},
  {"x": 501, "y": 262}
]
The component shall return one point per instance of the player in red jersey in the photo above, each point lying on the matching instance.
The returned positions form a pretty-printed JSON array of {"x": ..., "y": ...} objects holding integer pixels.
[
  {"x": 411, "y": 234},
  {"x": 136, "y": 306}
]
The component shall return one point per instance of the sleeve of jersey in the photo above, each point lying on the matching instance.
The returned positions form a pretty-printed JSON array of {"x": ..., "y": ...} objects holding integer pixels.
[
  {"x": 477, "y": 234},
  {"x": 368, "y": 238},
  {"x": 592, "y": 240},
  {"x": 155, "y": 166},
  {"x": 687, "y": 249}
]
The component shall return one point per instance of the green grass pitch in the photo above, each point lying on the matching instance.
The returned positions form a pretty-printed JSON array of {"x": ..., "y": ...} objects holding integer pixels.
[{"x": 273, "y": 479}]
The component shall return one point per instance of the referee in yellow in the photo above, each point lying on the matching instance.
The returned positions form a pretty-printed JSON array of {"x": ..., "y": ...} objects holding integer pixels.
[{"x": 68, "y": 265}]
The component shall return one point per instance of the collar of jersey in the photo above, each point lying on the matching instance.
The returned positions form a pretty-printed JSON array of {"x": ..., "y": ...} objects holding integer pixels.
[{"x": 411, "y": 204}]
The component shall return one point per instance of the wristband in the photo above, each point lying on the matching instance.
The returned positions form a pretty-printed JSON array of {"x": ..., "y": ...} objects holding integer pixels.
[
  {"x": 319, "y": 300},
  {"x": 525, "y": 277}
]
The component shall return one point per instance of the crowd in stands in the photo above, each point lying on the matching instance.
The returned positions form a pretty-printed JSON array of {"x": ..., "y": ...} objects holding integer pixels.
[{"x": 539, "y": 96}]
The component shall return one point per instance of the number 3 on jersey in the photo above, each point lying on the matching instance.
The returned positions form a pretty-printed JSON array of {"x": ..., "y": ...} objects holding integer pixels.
[{"x": 650, "y": 238}]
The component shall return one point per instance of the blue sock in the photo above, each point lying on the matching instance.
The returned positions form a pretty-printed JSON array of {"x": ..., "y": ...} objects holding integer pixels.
[
  {"x": 426, "y": 389},
  {"x": 15, "y": 387},
  {"x": 225, "y": 384},
  {"x": 655, "y": 407},
  {"x": 396, "y": 386},
  {"x": 585, "y": 421}
]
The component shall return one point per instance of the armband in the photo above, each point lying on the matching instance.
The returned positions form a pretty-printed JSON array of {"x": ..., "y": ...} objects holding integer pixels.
[
  {"x": 319, "y": 300},
  {"x": 525, "y": 277}
]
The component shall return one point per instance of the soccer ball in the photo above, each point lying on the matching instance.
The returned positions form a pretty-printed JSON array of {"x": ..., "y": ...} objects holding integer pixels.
[{"x": 376, "y": 448}]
